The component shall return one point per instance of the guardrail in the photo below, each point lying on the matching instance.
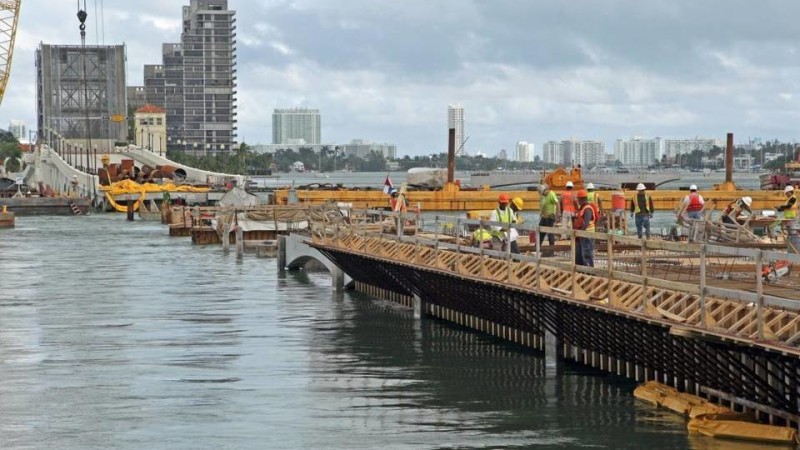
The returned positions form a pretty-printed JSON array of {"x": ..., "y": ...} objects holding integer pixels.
[{"x": 746, "y": 293}]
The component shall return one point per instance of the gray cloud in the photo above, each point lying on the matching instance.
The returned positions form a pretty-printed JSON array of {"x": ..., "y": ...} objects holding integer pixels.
[{"x": 386, "y": 70}]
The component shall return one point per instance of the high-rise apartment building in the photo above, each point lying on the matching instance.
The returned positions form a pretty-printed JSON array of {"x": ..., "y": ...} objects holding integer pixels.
[
  {"x": 296, "y": 126},
  {"x": 196, "y": 82},
  {"x": 455, "y": 120},
  {"x": 551, "y": 153},
  {"x": 525, "y": 151},
  {"x": 363, "y": 148},
  {"x": 638, "y": 152},
  {"x": 574, "y": 152},
  {"x": 675, "y": 147},
  {"x": 18, "y": 129},
  {"x": 78, "y": 90}
]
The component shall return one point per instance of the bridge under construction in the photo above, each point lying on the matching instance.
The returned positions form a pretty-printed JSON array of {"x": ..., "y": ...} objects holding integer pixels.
[{"x": 718, "y": 321}]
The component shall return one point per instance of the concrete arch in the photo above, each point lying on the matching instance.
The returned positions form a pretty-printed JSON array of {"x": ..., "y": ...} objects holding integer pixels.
[{"x": 294, "y": 253}]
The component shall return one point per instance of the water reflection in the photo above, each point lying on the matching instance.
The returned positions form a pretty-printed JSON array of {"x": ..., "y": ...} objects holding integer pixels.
[{"x": 113, "y": 335}]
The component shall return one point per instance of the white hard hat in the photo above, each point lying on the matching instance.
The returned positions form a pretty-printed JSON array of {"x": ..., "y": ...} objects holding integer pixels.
[
  {"x": 788, "y": 189},
  {"x": 542, "y": 188},
  {"x": 569, "y": 184},
  {"x": 640, "y": 187},
  {"x": 747, "y": 201},
  {"x": 693, "y": 187},
  {"x": 590, "y": 186}
]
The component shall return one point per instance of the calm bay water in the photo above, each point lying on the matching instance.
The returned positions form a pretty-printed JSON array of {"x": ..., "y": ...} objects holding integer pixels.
[{"x": 114, "y": 335}]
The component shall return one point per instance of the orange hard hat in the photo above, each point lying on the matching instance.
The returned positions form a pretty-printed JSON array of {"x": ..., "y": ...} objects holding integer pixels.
[
  {"x": 503, "y": 198},
  {"x": 583, "y": 194}
]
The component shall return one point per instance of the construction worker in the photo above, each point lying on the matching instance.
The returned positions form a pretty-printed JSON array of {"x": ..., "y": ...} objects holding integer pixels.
[
  {"x": 549, "y": 209},
  {"x": 482, "y": 238},
  {"x": 790, "y": 207},
  {"x": 513, "y": 234},
  {"x": 642, "y": 209},
  {"x": 789, "y": 211},
  {"x": 692, "y": 204},
  {"x": 735, "y": 209},
  {"x": 505, "y": 215},
  {"x": 594, "y": 197},
  {"x": 585, "y": 220},
  {"x": 397, "y": 201},
  {"x": 568, "y": 205}
]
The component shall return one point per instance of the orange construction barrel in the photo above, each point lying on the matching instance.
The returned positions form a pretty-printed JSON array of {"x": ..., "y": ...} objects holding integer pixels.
[{"x": 618, "y": 200}]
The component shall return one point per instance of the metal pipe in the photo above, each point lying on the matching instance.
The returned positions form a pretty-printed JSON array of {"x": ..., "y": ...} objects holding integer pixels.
[
  {"x": 729, "y": 159},
  {"x": 451, "y": 155}
]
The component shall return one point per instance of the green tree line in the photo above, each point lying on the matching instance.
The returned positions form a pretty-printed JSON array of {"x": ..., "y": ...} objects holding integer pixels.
[
  {"x": 9, "y": 148},
  {"x": 244, "y": 161}
]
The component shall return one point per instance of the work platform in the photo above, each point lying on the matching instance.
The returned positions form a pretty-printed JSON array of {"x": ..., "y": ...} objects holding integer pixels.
[{"x": 714, "y": 320}]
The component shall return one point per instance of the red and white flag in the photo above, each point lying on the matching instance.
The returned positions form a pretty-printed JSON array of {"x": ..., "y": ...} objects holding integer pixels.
[{"x": 387, "y": 185}]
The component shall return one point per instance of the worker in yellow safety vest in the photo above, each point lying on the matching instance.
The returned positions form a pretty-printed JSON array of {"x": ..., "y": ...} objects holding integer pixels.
[
  {"x": 482, "y": 238},
  {"x": 505, "y": 215},
  {"x": 790, "y": 207},
  {"x": 642, "y": 208}
]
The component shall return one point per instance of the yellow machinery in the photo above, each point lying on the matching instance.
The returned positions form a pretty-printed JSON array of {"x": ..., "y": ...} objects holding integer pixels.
[{"x": 9, "y": 16}]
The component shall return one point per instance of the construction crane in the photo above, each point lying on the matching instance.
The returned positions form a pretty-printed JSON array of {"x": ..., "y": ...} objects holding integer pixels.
[{"x": 9, "y": 16}]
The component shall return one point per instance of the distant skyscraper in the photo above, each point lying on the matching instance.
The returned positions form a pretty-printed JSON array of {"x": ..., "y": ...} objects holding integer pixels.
[
  {"x": 63, "y": 90},
  {"x": 196, "y": 82},
  {"x": 525, "y": 151},
  {"x": 675, "y": 147},
  {"x": 137, "y": 97},
  {"x": 638, "y": 152},
  {"x": 296, "y": 126},
  {"x": 574, "y": 152},
  {"x": 455, "y": 119},
  {"x": 18, "y": 129}
]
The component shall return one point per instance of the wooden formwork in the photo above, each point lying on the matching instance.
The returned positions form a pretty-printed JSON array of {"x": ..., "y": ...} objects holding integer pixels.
[{"x": 722, "y": 309}]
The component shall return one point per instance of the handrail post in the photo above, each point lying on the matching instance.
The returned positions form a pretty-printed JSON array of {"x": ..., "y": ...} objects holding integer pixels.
[
  {"x": 508, "y": 255},
  {"x": 364, "y": 224},
  {"x": 416, "y": 245},
  {"x": 538, "y": 258},
  {"x": 644, "y": 274},
  {"x": 703, "y": 255},
  {"x": 436, "y": 243},
  {"x": 573, "y": 244},
  {"x": 458, "y": 247},
  {"x": 610, "y": 266},
  {"x": 760, "y": 293}
]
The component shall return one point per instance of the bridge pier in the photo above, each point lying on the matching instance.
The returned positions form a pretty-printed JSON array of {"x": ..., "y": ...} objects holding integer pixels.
[
  {"x": 281, "y": 254},
  {"x": 337, "y": 279},
  {"x": 553, "y": 349},
  {"x": 419, "y": 307}
]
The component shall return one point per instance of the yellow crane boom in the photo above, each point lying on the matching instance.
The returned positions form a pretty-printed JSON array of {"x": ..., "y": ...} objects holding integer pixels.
[{"x": 9, "y": 16}]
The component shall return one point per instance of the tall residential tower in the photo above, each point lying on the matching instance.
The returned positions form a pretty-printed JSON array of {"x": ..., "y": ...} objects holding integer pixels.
[
  {"x": 296, "y": 126},
  {"x": 455, "y": 119},
  {"x": 196, "y": 82}
]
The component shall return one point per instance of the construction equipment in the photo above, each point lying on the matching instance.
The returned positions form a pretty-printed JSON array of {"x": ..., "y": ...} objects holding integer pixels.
[{"x": 9, "y": 17}]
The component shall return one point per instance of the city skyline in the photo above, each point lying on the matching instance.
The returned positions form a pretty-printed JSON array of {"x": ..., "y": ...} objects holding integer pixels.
[{"x": 578, "y": 72}]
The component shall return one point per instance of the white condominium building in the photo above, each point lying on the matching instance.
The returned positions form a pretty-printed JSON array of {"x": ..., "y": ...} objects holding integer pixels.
[
  {"x": 638, "y": 152},
  {"x": 675, "y": 147},
  {"x": 525, "y": 152},
  {"x": 574, "y": 152},
  {"x": 296, "y": 126},
  {"x": 455, "y": 120}
]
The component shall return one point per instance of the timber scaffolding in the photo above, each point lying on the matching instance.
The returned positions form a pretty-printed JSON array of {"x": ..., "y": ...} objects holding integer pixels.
[
  {"x": 208, "y": 225},
  {"x": 718, "y": 321}
]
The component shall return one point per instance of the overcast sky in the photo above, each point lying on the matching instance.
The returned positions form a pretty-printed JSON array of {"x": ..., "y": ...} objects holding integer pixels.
[{"x": 385, "y": 70}]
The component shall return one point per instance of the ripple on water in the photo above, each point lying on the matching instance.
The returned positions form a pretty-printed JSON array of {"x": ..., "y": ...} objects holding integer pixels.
[{"x": 114, "y": 335}]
